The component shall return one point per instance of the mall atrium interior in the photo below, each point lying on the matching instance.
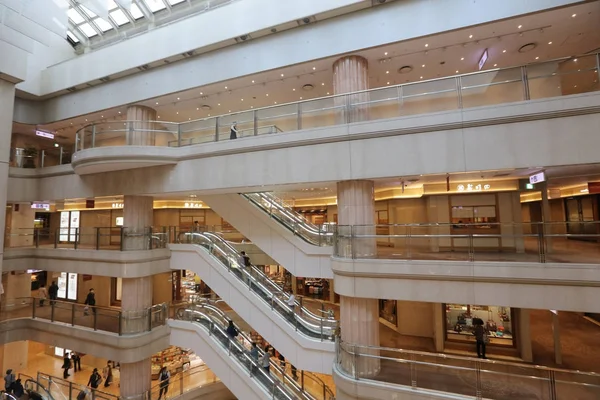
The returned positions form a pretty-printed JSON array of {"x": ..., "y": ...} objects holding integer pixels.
[{"x": 316, "y": 200}]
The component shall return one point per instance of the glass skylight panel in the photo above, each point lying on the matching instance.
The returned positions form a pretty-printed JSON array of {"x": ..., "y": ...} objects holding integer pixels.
[
  {"x": 155, "y": 5},
  {"x": 119, "y": 17},
  {"x": 87, "y": 11},
  {"x": 173, "y": 2},
  {"x": 103, "y": 25},
  {"x": 136, "y": 12},
  {"x": 112, "y": 5},
  {"x": 75, "y": 16},
  {"x": 88, "y": 30},
  {"x": 72, "y": 37}
]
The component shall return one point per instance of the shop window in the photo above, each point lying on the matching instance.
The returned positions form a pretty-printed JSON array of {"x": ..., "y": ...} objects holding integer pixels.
[
  {"x": 67, "y": 286},
  {"x": 116, "y": 291},
  {"x": 498, "y": 321},
  {"x": 187, "y": 218},
  {"x": 463, "y": 215}
]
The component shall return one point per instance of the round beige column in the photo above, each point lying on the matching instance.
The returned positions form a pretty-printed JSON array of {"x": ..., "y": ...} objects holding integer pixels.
[
  {"x": 351, "y": 74},
  {"x": 138, "y": 216},
  {"x": 359, "y": 317},
  {"x": 141, "y": 126}
]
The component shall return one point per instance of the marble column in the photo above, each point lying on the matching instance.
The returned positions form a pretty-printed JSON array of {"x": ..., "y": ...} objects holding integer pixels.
[
  {"x": 524, "y": 334},
  {"x": 7, "y": 102},
  {"x": 142, "y": 126},
  {"x": 359, "y": 317},
  {"x": 138, "y": 214},
  {"x": 351, "y": 74}
]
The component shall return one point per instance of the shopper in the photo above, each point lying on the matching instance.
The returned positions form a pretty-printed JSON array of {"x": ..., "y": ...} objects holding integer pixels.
[
  {"x": 480, "y": 337},
  {"x": 9, "y": 381},
  {"x": 107, "y": 374},
  {"x": 90, "y": 301},
  {"x": 95, "y": 379},
  {"x": 246, "y": 266},
  {"x": 53, "y": 292},
  {"x": 66, "y": 366},
  {"x": 281, "y": 359},
  {"x": 234, "y": 131},
  {"x": 163, "y": 377},
  {"x": 232, "y": 332},
  {"x": 254, "y": 356},
  {"x": 76, "y": 360},
  {"x": 42, "y": 295},
  {"x": 294, "y": 372},
  {"x": 265, "y": 361},
  {"x": 291, "y": 302},
  {"x": 18, "y": 391}
]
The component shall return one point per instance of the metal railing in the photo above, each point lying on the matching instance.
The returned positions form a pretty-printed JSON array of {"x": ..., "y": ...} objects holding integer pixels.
[
  {"x": 76, "y": 314},
  {"x": 560, "y": 242},
  {"x": 40, "y": 158},
  {"x": 464, "y": 376},
  {"x": 301, "y": 318},
  {"x": 565, "y": 76},
  {"x": 304, "y": 382},
  {"x": 98, "y": 238},
  {"x": 282, "y": 212}
]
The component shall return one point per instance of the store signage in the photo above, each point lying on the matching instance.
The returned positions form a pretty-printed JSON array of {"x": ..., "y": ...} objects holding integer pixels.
[
  {"x": 192, "y": 205},
  {"x": 117, "y": 205},
  {"x": 41, "y": 206},
  {"x": 529, "y": 186},
  {"x": 43, "y": 134},
  {"x": 90, "y": 203},
  {"x": 119, "y": 221},
  {"x": 473, "y": 187},
  {"x": 593, "y": 187},
  {"x": 537, "y": 178},
  {"x": 483, "y": 59}
]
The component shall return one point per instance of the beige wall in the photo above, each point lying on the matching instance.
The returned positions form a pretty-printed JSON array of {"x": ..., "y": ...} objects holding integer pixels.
[
  {"x": 101, "y": 286},
  {"x": 16, "y": 285},
  {"x": 21, "y": 224},
  {"x": 416, "y": 318},
  {"x": 162, "y": 288},
  {"x": 14, "y": 356}
]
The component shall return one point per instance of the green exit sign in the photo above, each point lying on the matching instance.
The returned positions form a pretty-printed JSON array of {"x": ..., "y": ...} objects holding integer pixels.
[{"x": 529, "y": 186}]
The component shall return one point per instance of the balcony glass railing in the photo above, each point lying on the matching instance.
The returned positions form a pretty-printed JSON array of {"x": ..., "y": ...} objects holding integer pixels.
[
  {"x": 299, "y": 317},
  {"x": 463, "y": 376},
  {"x": 282, "y": 212},
  {"x": 302, "y": 383},
  {"x": 101, "y": 238},
  {"x": 567, "y": 76},
  {"x": 40, "y": 158},
  {"x": 76, "y": 314},
  {"x": 560, "y": 242}
]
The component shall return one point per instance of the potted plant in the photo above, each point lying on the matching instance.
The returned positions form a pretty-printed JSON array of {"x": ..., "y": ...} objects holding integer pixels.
[{"x": 30, "y": 154}]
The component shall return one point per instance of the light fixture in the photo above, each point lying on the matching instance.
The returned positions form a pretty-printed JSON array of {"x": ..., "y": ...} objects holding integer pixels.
[
  {"x": 421, "y": 77},
  {"x": 218, "y": 104},
  {"x": 314, "y": 68},
  {"x": 520, "y": 26},
  {"x": 102, "y": 116},
  {"x": 462, "y": 59},
  {"x": 55, "y": 144},
  {"x": 86, "y": 120},
  {"x": 388, "y": 83},
  {"x": 423, "y": 66},
  {"x": 225, "y": 87},
  {"x": 549, "y": 42},
  {"x": 177, "y": 112},
  {"x": 470, "y": 36},
  {"x": 457, "y": 71},
  {"x": 385, "y": 54},
  {"x": 322, "y": 83},
  {"x": 274, "y": 102},
  {"x": 157, "y": 117},
  {"x": 527, "y": 47},
  {"x": 201, "y": 93},
  {"x": 267, "y": 94},
  {"x": 426, "y": 44},
  {"x": 189, "y": 119},
  {"x": 294, "y": 89},
  {"x": 119, "y": 112},
  {"x": 242, "y": 99},
  {"x": 197, "y": 108},
  {"x": 495, "y": 65},
  {"x": 209, "y": 115},
  {"x": 504, "y": 51},
  {"x": 574, "y": 15},
  {"x": 282, "y": 75},
  {"x": 575, "y": 60},
  {"x": 537, "y": 58},
  {"x": 300, "y": 97},
  {"x": 387, "y": 72},
  {"x": 327, "y": 92},
  {"x": 157, "y": 103},
  {"x": 405, "y": 69},
  {"x": 253, "y": 81},
  {"x": 229, "y": 111},
  {"x": 178, "y": 98}
]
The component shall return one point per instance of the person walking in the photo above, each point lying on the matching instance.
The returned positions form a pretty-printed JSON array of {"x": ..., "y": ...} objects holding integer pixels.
[
  {"x": 90, "y": 300},
  {"x": 53, "y": 292},
  {"x": 480, "y": 337},
  {"x": 232, "y": 333},
  {"x": 95, "y": 379},
  {"x": 107, "y": 374},
  {"x": 66, "y": 366},
  {"x": 163, "y": 377},
  {"x": 42, "y": 294},
  {"x": 254, "y": 356},
  {"x": 9, "y": 380},
  {"x": 265, "y": 361},
  {"x": 234, "y": 131}
]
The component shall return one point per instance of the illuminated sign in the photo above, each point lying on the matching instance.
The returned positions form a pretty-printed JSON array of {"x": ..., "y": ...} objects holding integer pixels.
[
  {"x": 483, "y": 59},
  {"x": 43, "y": 134},
  {"x": 41, "y": 206},
  {"x": 117, "y": 205},
  {"x": 537, "y": 178},
  {"x": 473, "y": 187},
  {"x": 192, "y": 205},
  {"x": 529, "y": 186}
]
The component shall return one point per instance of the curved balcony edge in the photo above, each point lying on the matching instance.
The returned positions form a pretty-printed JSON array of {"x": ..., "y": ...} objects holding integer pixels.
[
  {"x": 351, "y": 389},
  {"x": 125, "y": 349},
  {"x": 119, "y": 264},
  {"x": 118, "y": 158},
  {"x": 550, "y": 286}
]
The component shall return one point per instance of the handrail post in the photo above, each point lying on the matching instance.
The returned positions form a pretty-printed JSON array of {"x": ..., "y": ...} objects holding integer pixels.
[
  {"x": 93, "y": 135},
  {"x": 95, "y": 314},
  {"x": 33, "y": 308},
  {"x": 459, "y": 98},
  {"x": 76, "y": 238},
  {"x": 216, "y": 129},
  {"x": 129, "y": 137},
  {"x": 408, "y": 243},
  {"x": 82, "y": 140},
  {"x": 525, "y": 81},
  {"x": 299, "y": 116},
  {"x": 255, "y": 120},
  {"x": 52, "y": 306},
  {"x": 36, "y": 237},
  {"x": 56, "y": 237},
  {"x": 552, "y": 382},
  {"x": 97, "y": 238},
  {"x": 72, "y": 314},
  {"x": 43, "y": 156},
  {"x": 120, "y": 323},
  {"x": 598, "y": 66},
  {"x": 178, "y": 135},
  {"x": 60, "y": 155},
  {"x": 478, "y": 380},
  {"x": 122, "y": 244},
  {"x": 352, "y": 243},
  {"x": 149, "y": 310}
]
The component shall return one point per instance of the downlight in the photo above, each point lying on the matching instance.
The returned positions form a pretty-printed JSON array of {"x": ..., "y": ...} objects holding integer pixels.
[
  {"x": 405, "y": 69},
  {"x": 527, "y": 47},
  {"x": 206, "y": 107},
  {"x": 308, "y": 87}
]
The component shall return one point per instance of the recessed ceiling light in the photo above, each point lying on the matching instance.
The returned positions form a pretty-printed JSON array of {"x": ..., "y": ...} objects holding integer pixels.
[
  {"x": 225, "y": 87},
  {"x": 267, "y": 94},
  {"x": 385, "y": 54},
  {"x": 253, "y": 81},
  {"x": 573, "y": 60},
  {"x": 314, "y": 68},
  {"x": 537, "y": 58},
  {"x": 177, "y": 112},
  {"x": 120, "y": 111},
  {"x": 520, "y": 26},
  {"x": 327, "y": 92},
  {"x": 300, "y": 98},
  {"x": 102, "y": 116},
  {"x": 86, "y": 120},
  {"x": 462, "y": 59},
  {"x": 158, "y": 118},
  {"x": 274, "y": 102},
  {"x": 209, "y": 115},
  {"x": 426, "y": 44},
  {"x": 197, "y": 108},
  {"x": 242, "y": 99},
  {"x": 457, "y": 71},
  {"x": 178, "y": 98},
  {"x": 229, "y": 111},
  {"x": 574, "y": 15},
  {"x": 322, "y": 83},
  {"x": 495, "y": 65},
  {"x": 282, "y": 75},
  {"x": 251, "y": 106},
  {"x": 201, "y": 93},
  {"x": 470, "y": 36},
  {"x": 423, "y": 66},
  {"x": 189, "y": 119},
  {"x": 294, "y": 89},
  {"x": 504, "y": 51},
  {"x": 387, "y": 72},
  {"x": 549, "y": 42},
  {"x": 157, "y": 103},
  {"x": 388, "y": 83},
  {"x": 421, "y": 77},
  {"x": 218, "y": 104}
]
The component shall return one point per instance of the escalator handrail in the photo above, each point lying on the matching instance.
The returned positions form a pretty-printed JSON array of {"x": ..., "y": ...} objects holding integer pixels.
[
  {"x": 231, "y": 253},
  {"x": 266, "y": 278}
]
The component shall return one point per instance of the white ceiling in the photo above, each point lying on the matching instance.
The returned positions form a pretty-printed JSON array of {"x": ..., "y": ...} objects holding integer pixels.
[{"x": 558, "y": 33}]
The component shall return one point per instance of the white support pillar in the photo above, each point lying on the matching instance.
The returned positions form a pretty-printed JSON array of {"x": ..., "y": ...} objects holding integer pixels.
[{"x": 7, "y": 102}]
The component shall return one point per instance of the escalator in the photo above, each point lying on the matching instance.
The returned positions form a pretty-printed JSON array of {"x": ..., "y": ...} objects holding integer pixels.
[
  {"x": 307, "y": 386},
  {"x": 303, "y": 248},
  {"x": 257, "y": 300},
  {"x": 38, "y": 390}
]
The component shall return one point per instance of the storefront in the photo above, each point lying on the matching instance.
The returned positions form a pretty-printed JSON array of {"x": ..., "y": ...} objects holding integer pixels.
[
  {"x": 67, "y": 286},
  {"x": 498, "y": 322},
  {"x": 176, "y": 359}
]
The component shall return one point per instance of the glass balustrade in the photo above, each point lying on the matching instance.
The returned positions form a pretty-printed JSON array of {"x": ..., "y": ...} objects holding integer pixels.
[
  {"x": 464, "y": 376},
  {"x": 562, "y": 77},
  {"x": 40, "y": 158},
  {"x": 282, "y": 212},
  {"x": 303, "y": 383},
  {"x": 98, "y": 238},
  {"x": 75, "y": 314},
  {"x": 301, "y": 318},
  {"x": 558, "y": 242}
]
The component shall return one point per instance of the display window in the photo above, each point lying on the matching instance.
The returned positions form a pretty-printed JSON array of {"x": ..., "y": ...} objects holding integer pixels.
[
  {"x": 176, "y": 359},
  {"x": 67, "y": 286},
  {"x": 69, "y": 222},
  {"x": 498, "y": 322}
]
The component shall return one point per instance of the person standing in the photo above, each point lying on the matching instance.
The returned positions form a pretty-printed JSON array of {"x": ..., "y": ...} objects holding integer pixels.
[
  {"x": 480, "y": 337},
  {"x": 9, "y": 380},
  {"x": 234, "y": 131},
  {"x": 265, "y": 361},
  {"x": 18, "y": 390},
  {"x": 53, "y": 292},
  {"x": 254, "y": 356},
  {"x": 163, "y": 377},
  {"x": 76, "y": 360},
  {"x": 42, "y": 295},
  {"x": 107, "y": 374},
  {"x": 66, "y": 366},
  {"x": 90, "y": 300}
]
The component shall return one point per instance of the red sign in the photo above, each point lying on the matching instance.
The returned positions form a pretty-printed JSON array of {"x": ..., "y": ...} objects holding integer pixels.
[
  {"x": 86, "y": 277},
  {"x": 593, "y": 187},
  {"x": 90, "y": 203}
]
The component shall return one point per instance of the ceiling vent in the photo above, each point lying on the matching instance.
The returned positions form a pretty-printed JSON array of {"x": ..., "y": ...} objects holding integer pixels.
[
  {"x": 378, "y": 2},
  {"x": 144, "y": 67},
  {"x": 243, "y": 38},
  {"x": 72, "y": 89},
  {"x": 206, "y": 107},
  {"x": 308, "y": 87},
  {"x": 306, "y": 20},
  {"x": 188, "y": 54},
  {"x": 105, "y": 79},
  {"x": 527, "y": 47},
  {"x": 405, "y": 69}
]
